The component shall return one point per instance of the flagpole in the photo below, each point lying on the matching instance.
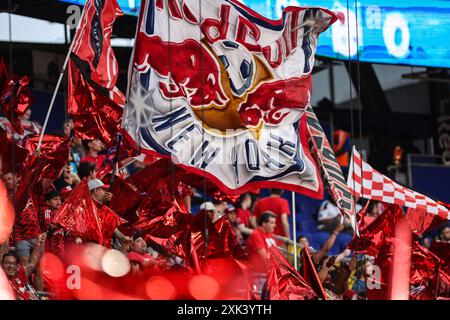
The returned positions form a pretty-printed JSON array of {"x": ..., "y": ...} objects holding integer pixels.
[
  {"x": 55, "y": 92},
  {"x": 294, "y": 233}
]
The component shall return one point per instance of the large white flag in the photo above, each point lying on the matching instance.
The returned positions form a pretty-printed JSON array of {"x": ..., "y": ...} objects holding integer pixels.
[{"x": 223, "y": 91}]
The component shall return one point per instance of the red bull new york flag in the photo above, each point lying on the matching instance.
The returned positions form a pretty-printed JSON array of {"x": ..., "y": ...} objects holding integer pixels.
[{"x": 223, "y": 91}]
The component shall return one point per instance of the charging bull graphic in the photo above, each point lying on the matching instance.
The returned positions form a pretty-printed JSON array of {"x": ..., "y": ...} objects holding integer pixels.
[
  {"x": 193, "y": 71},
  {"x": 223, "y": 91}
]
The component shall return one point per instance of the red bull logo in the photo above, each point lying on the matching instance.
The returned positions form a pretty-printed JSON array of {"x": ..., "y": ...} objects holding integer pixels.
[{"x": 191, "y": 72}]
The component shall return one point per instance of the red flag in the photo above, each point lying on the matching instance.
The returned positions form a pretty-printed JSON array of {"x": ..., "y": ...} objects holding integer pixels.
[
  {"x": 95, "y": 104},
  {"x": 377, "y": 240},
  {"x": 79, "y": 215},
  {"x": 373, "y": 237},
  {"x": 443, "y": 286},
  {"x": 126, "y": 199},
  {"x": 310, "y": 274},
  {"x": 14, "y": 105},
  {"x": 171, "y": 230},
  {"x": 424, "y": 265},
  {"x": 158, "y": 181},
  {"x": 49, "y": 143},
  {"x": 220, "y": 239},
  {"x": 94, "y": 114},
  {"x": 283, "y": 281},
  {"x": 10, "y": 151},
  {"x": 108, "y": 221},
  {"x": 54, "y": 150},
  {"x": 421, "y": 221},
  {"x": 92, "y": 50}
]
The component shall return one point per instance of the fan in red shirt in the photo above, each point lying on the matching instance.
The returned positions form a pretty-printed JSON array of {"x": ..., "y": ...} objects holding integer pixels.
[
  {"x": 244, "y": 222},
  {"x": 259, "y": 241},
  {"x": 55, "y": 243},
  {"x": 93, "y": 147},
  {"x": 141, "y": 261},
  {"x": 18, "y": 274},
  {"x": 278, "y": 206},
  {"x": 108, "y": 220},
  {"x": 26, "y": 226}
]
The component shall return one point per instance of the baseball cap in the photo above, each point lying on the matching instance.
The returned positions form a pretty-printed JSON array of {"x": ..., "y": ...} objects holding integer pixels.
[
  {"x": 230, "y": 208},
  {"x": 96, "y": 183},
  {"x": 207, "y": 206}
]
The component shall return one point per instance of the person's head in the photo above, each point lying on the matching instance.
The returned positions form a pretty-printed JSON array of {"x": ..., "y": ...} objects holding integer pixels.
[
  {"x": 66, "y": 172},
  {"x": 364, "y": 268},
  {"x": 245, "y": 201},
  {"x": 87, "y": 170},
  {"x": 68, "y": 127},
  {"x": 94, "y": 145},
  {"x": 10, "y": 180},
  {"x": 220, "y": 205},
  {"x": 445, "y": 233},
  {"x": 303, "y": 241},
  {"x": 368, "y": 267},
  {"x": 231, "y": 213},
  {"x": 138, "y": 245},
  {"x": 26, "y": 115},
  {"x": 53, "y": 199},
  {"x": 10, "y": 264},
  {"x": 373, "y": 209},
  {"x": 267, "y": 221},
  {"x": 98, "y": 190},
  {"x": 276, "y": 192},
  {"x": 210, "y": 210}
]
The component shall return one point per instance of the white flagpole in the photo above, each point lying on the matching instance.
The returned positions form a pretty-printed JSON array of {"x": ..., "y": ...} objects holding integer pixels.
[
  {"x": 63, "y": 69},
  {"x": 294, "y": 233}
]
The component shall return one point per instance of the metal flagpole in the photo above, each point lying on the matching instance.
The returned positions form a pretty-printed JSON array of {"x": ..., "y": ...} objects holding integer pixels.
[
  {"x": 294, "y": 232},
  {"x": 63, "y": 69}
]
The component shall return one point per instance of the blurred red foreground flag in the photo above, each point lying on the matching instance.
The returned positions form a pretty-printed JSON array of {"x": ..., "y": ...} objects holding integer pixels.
[
  {"x": 310, "y": 274},
  {"x": 283, "y": 281}
]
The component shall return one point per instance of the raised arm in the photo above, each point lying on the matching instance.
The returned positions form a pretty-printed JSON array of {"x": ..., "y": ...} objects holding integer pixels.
[
  {"x": 328, "y": 245},
  {"x": 36, "y": 254}
]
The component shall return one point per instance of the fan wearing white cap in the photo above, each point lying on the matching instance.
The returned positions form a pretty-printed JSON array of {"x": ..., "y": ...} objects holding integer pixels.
[
  {"x": 98, "y": 191},
  {"x": 210, "y": 210}
]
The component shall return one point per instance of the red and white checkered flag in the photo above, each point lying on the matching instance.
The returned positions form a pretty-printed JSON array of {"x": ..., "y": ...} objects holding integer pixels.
[{"x": 370, "y": 184}]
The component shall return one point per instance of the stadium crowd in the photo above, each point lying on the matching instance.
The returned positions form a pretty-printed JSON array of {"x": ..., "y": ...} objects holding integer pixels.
[{"x": 256, "y": 222}]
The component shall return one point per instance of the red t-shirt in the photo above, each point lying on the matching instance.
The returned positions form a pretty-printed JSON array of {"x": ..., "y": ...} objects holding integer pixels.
[
  {"x": 97, "y": 160},
  {"x": 278, "y": 206},
  {"x": 258, "y": 240},
  {"x": 27, "y": 223},
  {"x": 20, "y": 285},
  {"x": 243, "y": 216}
]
